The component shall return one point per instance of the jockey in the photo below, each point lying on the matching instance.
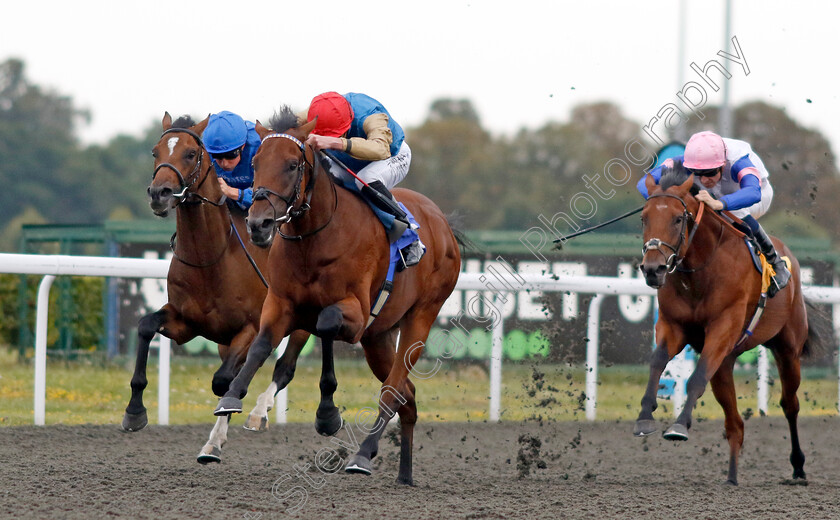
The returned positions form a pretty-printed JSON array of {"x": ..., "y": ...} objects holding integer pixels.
[
  {"x": 731, "y": 177},
  {"x": 370, "y": 143},
  {"x": 232, "y": 144}
]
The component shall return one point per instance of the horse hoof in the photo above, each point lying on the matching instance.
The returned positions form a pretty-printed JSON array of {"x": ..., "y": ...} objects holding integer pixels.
[
  {"x": 405, "y": 481},
  {"x": 256, "y": 423},
  {"x": 209, "y": 454},
  {"x": 645, "y": 427},
  {"x": 359, "y": 464},
  {"x": 328, "y": 422},
  {"x": 133, "y": 422},
  {"x": 677, "y": 432},
  {"x": 228, "y": 405},
  {"x": 730, "y": 482}
]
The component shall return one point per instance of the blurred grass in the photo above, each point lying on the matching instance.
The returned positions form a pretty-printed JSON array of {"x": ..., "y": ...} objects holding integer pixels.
[{"x": 93, "y": 391}]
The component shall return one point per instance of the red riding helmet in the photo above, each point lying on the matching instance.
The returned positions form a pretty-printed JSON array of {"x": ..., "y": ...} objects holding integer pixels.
[{"x": 333, "y": 112}]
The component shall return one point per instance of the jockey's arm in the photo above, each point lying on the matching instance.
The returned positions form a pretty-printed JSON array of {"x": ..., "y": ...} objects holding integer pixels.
[
  {"x": 749, "y": 194},
  {"x": 656, "y": 173},
  {"x": 377, "y": 145}
]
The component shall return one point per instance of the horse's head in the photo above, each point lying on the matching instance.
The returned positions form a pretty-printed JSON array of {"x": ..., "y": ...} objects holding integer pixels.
[
  {"x": 281, "y": 170},
  {"x": 180, "y": 162},
  {"x": 666, "y": 219}
]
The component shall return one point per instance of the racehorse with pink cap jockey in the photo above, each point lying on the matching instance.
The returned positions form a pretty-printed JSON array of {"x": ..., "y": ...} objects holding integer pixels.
[
  {"x": 731, "y": 177},
  {"x": 365, "y": 138}
]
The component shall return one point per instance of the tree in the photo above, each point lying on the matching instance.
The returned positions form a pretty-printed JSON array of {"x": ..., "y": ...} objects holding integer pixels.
[{"x": 36, "y": 137}]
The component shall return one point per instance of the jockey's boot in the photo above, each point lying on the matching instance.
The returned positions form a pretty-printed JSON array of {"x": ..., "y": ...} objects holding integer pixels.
[
  {"x": 381, "y": 197},
  {"x": 782, "y": 277}
]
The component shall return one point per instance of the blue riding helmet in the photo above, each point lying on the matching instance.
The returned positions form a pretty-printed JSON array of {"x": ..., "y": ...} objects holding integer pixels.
[{"x": 225, "y": 131}]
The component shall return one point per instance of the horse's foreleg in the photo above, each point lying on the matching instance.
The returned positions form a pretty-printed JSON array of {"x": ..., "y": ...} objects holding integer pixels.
[
  {"x": 789, "y": 373},
  {"x": 212, "y": 450},
  {"x": 284, "y": 371},
  {"x": 670, "y": 343},
  {"x": 135, "y": 417},
  {"x": 719, "y": 342},
  {"x": 333, "y": 320},
  {"x": 723, "y": 386},
  {"x": 274, "y": 323}
]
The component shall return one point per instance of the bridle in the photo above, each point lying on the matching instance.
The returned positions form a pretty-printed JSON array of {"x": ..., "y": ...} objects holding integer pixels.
[
  {"x": 673, "y": 261},
  {"x": 186, "y": 182},
  {"x": 291, "y": 212}
]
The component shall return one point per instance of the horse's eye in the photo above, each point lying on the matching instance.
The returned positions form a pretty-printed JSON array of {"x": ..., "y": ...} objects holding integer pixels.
[
  {"x": 155, "y": 154},
  {"x": 191, "y": 155},
  {"x": 293, "y": 166}
]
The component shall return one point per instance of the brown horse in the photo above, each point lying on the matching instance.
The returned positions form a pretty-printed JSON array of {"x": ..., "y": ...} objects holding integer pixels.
[
  {"x": 326, "y": 272},
  {"x": 708, "y": 292},
  {"x": 213, "y": 289}
]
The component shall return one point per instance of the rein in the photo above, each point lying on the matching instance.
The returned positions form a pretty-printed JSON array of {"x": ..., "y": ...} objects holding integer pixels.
[{"x": 291, "y": 212}]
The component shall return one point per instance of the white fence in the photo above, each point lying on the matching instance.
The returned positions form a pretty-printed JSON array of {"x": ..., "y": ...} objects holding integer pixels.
[{"x": 54, "y": 265}]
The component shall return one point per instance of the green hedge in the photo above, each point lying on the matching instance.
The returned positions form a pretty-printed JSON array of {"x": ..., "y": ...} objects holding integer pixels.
[{"x": 77, "y": 325}]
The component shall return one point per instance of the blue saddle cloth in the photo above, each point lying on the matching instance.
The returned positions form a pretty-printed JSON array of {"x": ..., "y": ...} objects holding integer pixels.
[{"x": 408, "y": 237}]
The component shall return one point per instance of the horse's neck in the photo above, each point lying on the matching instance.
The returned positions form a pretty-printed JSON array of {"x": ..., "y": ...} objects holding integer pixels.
[
  {"x": 712, "y": 242},
  {"x": 201, "y": 222}
]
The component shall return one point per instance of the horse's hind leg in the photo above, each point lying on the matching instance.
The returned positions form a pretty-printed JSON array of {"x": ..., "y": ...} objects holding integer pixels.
[
  {"x": 284, "y": 371},
  {"x": 671, "y": 342},
  {"x": 723, "y": 386},
  {"x": 788, "y": 365},
  {"x": 135, "y": 417},
  {"x": 398, "y": 394}
]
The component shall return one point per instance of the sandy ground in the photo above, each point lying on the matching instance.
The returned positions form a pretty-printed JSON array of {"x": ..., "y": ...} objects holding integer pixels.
[{"x": 462, "y": 470}]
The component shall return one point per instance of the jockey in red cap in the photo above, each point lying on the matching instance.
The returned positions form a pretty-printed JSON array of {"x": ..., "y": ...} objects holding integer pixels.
[{"x": 366, "y": 138}]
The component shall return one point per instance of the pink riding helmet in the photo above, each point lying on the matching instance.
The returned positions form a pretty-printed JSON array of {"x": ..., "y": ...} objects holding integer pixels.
[{"x": 704, "y": 151}]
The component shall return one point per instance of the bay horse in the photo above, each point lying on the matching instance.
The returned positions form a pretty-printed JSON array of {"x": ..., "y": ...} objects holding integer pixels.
[
  {"x": 708, "y": 292},
  {"x": 214, "y": 291},
  {"x": 325, "y": 273}
]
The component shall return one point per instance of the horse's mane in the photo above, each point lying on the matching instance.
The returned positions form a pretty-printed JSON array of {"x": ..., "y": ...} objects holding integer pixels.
[
  {"x": 284, "y": 119},
  {"x": 675, "y": 175},
  {"x": 183, "y": 122}
]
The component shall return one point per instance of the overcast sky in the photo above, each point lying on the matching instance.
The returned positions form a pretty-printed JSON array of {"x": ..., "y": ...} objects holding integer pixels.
[{"x": 521, "y": 63}]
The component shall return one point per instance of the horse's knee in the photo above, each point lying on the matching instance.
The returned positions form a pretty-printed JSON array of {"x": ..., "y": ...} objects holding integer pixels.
[
  {"x": 149, "y": 324},
  {"x": 221, "y": 382},
  {"x": 329, "y": 322}
]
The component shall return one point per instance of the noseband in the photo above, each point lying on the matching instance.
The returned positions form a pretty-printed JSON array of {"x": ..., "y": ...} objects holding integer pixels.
[
  {"x": 193, "y": 175},
  {"x": 674, "y": 260}
]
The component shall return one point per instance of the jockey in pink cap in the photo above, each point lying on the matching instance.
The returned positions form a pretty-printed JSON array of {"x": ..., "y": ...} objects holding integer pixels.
[{"x": 731, "y": 177}]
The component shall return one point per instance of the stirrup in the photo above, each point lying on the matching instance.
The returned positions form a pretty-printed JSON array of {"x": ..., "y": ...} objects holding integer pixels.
[{"x": 411, "y": 255}]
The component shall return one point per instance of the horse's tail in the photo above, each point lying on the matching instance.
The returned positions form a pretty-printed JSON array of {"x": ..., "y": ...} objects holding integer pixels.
[
  {"x": 454, "y": 221},
  {"x": 820, "y": 331}
]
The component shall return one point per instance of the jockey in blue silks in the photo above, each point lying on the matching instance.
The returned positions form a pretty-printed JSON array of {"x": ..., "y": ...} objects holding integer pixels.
[{"x": 232, "y": 143}]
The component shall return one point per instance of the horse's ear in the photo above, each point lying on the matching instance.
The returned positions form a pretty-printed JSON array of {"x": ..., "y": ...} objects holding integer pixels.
[
  {"x": 261, "y": 130},
  {"x": 308, "y": 127},
  {"x": 650, "y": 183},
  {"x": 686, "y": 186},
  {"x": 167, "y": 121},
  {"x": 199, "y": 128}
]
